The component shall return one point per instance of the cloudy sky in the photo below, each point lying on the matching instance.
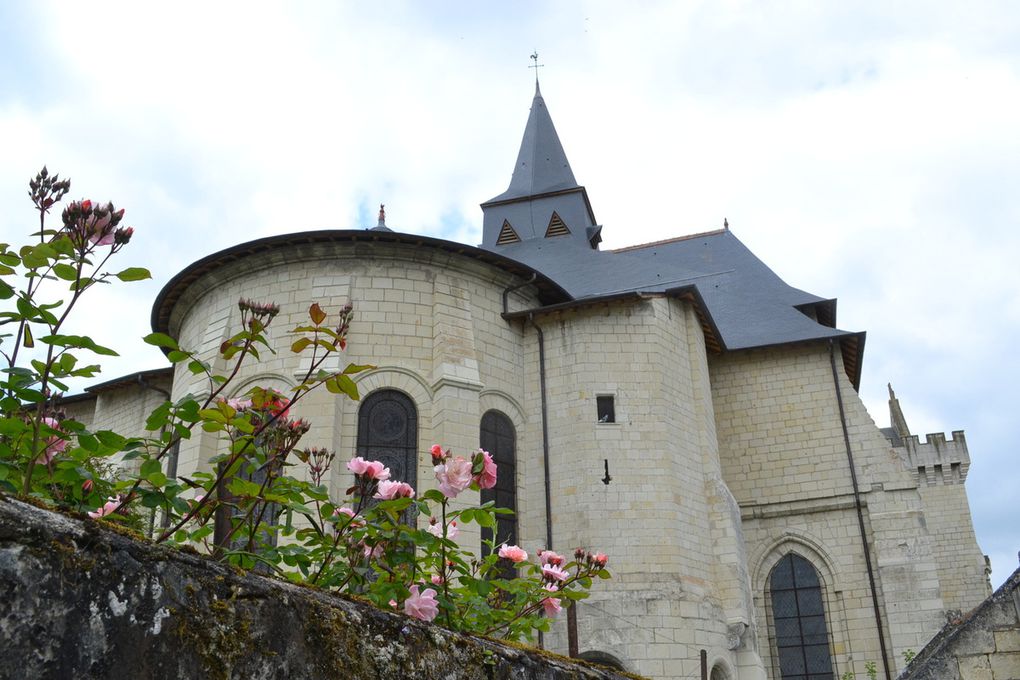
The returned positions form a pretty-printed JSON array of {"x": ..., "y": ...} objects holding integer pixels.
[{"x": 865, "y": 151}]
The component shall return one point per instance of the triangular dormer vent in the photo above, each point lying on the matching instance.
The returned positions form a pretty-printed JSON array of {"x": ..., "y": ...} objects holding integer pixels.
[
  {"x": 556, "y": 226},
  {"x": 507, "y": 235}
]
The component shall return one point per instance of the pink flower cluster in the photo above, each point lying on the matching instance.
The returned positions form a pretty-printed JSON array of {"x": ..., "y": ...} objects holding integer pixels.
[
  {"x": 436, "y": 529},
  {"x": 421, "y": 605},
  {"x": 551, "y": 605},
  {"x": 111, "y": 504},
  {"x": 389, "y": 490},
  {"x": 97, "y": 224},
  {"x": 455, "y": 474},
  {"x": 54, "y": 443},
  {"x": 512, "y": 553},
  {"x": 369, "y": 469}
]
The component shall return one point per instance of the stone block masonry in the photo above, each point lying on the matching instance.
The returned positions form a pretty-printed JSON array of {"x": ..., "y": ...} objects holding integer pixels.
[
  {"x": 82, "y": 601},
  {"x": 983, "y": 645}
]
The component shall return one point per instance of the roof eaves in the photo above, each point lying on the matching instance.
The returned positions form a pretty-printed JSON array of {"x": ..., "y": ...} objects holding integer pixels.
[
  {"x": 175, "y": 287},
  {"x": 131, "y": 379},
  {"x": 713, "y": 339}
]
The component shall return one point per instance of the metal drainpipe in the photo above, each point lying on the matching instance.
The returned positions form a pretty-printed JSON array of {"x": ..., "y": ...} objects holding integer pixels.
[
  {"x": 171, "y": 463},
  {"x": 545, "y": 433},
  {"x": 860, "y": 511},
  {"x": 545, "y": 444},
  {"x": 509, "y": 289}
]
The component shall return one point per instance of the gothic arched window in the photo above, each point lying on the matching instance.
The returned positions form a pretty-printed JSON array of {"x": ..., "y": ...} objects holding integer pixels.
[
  {"x": 802, "y": 638},
  {"x": 500, "y": 440},
  {"x": 388, "y": 432}
]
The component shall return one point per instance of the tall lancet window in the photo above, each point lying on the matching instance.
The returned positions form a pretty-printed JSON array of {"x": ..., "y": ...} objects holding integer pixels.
[
  {"x": 802, "y": 638},
  {"x": 388, "y": 432},
  {"x": 500, "y": 440}
]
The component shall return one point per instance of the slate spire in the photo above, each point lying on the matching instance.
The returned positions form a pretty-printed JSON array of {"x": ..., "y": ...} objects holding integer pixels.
[
  {"x": 542, "y": 165},
  {"x": 544, "y": 206}
]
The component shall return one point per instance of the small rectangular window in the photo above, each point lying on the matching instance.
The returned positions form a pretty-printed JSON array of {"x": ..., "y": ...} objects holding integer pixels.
[{"x": 606, "y": 410}]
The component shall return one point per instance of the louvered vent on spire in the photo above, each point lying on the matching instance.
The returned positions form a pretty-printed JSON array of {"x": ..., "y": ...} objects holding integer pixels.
[
  {"x": 507, "y": 235},
  {"x": 556, "y": 226}
]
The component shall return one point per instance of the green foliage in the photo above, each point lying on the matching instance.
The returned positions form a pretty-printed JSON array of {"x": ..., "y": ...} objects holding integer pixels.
[{"x": 263, "y": 504}]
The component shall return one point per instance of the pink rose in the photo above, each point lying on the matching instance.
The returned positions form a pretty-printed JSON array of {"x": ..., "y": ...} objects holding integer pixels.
[
  {"x": 54, "y": 443},
  {"x": 454, "y": 476},
  {"x": 486, "y": 479},
  {"x": 352, "y": 519},
  {"x": 108, "y": 507},
  {"x": 549, "y": 557},
  {"x": 372, "y": 552},
  {"x": 599, "y": 560},
  {"x": 437, "y": 580},
  {"x": 390, "y": 490},
  {"x": 551, "y": 605},
  {"x": 423, "y": 606},
  {"x": 512, "y": 553},
  {"x": 437, "y": 530},
  {"x": 551, "y": 572},
  {"x": 239, "y": 404},
  {"x": 371, "y": 469}
]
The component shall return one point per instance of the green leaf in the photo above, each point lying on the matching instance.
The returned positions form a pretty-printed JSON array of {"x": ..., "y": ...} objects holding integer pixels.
[
  {"x": 65, "y": 271},
  {"x": 160, "y": 340},
  {"x": 157, "y": 479},
  {"x": 134, "y": 274},
  {"x": 158, "y": 418},
  {"x": 148, "y": 467},
  {"x": 111, "y": 439},
  {"x": 78, "y": 341},
  {"x": 300, "y": 344},
  {"x": 341, "y": 384},
  {"x": 434, "y": 495},
  {"x": 485, "y": 519},
  {"x": 357, "y": 368},
  {"x": 67, "y": 362},
  {"x": 176, "y": 355}
]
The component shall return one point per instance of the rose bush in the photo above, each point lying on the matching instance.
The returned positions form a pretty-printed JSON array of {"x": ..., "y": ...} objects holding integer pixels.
[{"x": 251, "y": 508}]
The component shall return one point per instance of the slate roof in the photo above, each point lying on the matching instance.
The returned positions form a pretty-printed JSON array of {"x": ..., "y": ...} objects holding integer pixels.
[{"x": 749, "y": 303}]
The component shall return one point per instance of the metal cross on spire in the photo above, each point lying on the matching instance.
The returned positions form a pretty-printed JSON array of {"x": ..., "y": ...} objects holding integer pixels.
[{"x": 536, "y": 65}]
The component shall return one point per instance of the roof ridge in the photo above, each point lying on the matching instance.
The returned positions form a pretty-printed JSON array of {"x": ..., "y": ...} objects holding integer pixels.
[{"x": 675, "y": 239}]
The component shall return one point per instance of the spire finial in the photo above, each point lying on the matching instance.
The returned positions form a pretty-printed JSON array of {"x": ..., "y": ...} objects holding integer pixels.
[
  {"x": 536, "y": 66},
  {"x": 382, "y": 216}
]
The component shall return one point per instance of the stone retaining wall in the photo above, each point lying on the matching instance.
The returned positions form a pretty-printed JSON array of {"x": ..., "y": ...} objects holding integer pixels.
[{"x": 79, "y": 600}]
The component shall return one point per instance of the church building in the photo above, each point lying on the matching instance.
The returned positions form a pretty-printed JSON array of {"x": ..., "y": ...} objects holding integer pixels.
[{"x": 673, "y": 404}]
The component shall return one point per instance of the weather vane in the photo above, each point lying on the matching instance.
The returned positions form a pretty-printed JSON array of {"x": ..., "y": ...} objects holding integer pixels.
[{"x": 536, "y": 65}]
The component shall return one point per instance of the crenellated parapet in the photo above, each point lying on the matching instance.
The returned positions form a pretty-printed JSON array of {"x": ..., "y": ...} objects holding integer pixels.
[{"x": 938, "y": 460}]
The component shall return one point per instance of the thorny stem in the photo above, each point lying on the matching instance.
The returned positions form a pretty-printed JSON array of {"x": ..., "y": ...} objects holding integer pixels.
[
  {"x": 442, "y": 567},
  {"x": 221, "y": 475},
  {"x": 534, "y": 607},
  {"x": 44, "y": 382},
  {"x": 177, "y": 438},
  {"x": 336, "y": 543}
]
